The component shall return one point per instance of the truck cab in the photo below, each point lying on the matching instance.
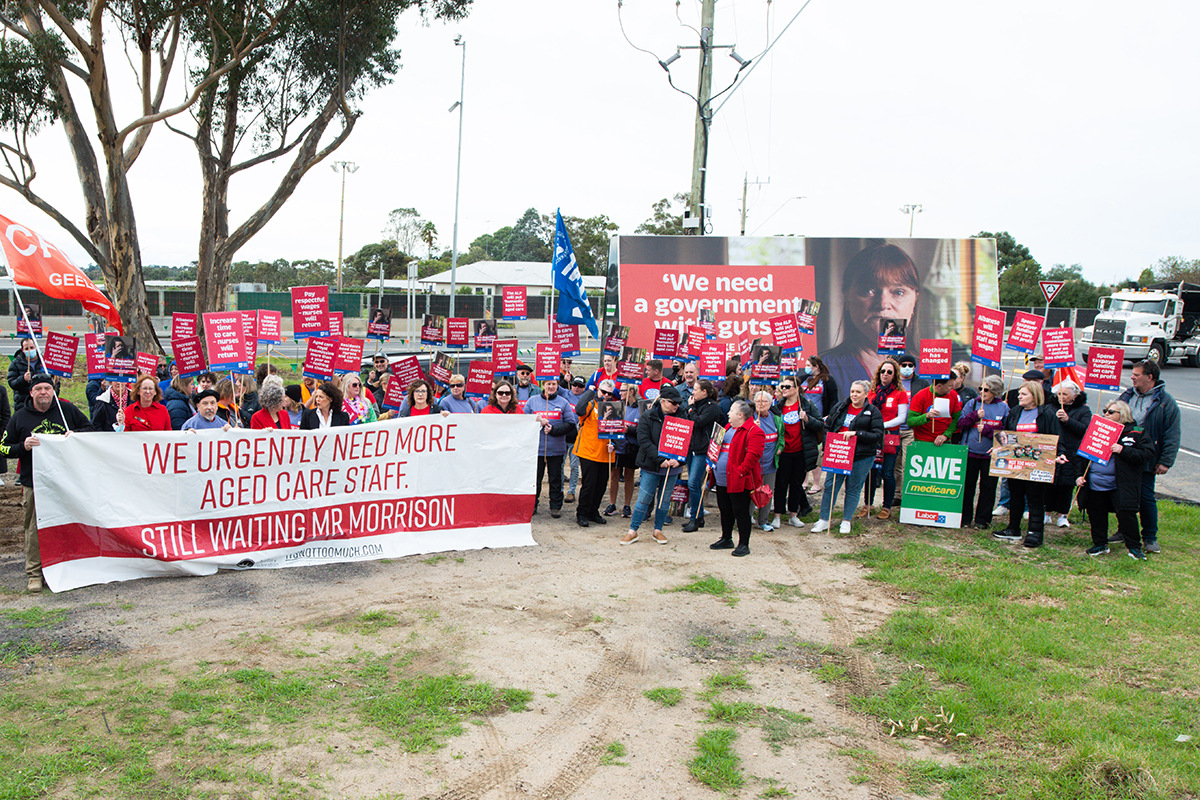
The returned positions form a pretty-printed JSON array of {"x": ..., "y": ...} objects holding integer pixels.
[{"x": 1156, "y": 323}]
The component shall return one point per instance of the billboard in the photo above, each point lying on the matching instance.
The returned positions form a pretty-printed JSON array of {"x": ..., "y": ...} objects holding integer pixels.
[{"x": 932, "y": 284}]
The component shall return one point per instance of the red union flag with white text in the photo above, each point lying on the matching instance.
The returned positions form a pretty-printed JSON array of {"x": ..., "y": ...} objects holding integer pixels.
[{"x": 38, "y": 264}]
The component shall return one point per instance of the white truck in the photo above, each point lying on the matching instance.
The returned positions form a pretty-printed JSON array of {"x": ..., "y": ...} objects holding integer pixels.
[{"x": 1157, "y": 323}]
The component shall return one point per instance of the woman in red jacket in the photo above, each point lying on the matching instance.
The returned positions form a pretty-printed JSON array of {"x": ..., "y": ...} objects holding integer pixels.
[
  {"x": 738, "y": 473},
  {"x": 503, "y": 399},
  {"x": 147, "y": 413}
]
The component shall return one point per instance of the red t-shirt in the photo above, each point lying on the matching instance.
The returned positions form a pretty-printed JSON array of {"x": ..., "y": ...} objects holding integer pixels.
[
  {"x": 851, "y": 411},
  {"x": 653, "y": 386},
  {"x": 793, "y": 429},
  {"x": 891, "y": 406},
  {"x": 921, "y": 403},
  {"x": 419, "y": 412},
  {"x": 153, "y": 418}
]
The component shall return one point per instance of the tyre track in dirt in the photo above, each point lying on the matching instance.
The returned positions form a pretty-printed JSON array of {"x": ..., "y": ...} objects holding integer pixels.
[{"x": 603, "y": 685}]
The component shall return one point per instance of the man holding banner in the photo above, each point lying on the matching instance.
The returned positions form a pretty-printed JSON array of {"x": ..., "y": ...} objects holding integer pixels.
[{"x": 43, "y": 413}]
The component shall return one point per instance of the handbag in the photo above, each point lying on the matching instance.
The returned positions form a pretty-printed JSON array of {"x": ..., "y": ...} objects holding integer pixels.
[
  {"x": 891, "y": 443},
  {"x": 761, "y": 496}
]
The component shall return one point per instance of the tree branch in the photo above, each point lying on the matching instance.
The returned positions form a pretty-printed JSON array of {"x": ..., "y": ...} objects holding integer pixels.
[
  {"x": 68, "y": 30},
  {"x": 37, "y": 201},
  {"x": 165, "y": 65}
]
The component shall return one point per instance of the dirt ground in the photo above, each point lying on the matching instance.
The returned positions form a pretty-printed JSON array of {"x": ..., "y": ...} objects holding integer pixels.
[{"x": 583, "y": 623}]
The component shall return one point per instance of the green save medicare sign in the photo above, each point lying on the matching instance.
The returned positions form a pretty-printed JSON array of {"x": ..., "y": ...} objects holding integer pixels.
[{"x": 933, "y": 484}]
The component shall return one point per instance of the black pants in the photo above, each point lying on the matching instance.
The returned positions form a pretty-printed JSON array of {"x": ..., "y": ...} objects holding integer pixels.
[
  {"x": 593, "y": 482},
  {"x": 1060, "y": 495},
  {"x": 555, "y": 465},
  {"x": 1020, "y": 493},
  {"x": 734, "y": 507},
  {"x": 789, "y": 485},
  {"x": 1099, "y": 504},
  {"x": 977, "y": 473}
]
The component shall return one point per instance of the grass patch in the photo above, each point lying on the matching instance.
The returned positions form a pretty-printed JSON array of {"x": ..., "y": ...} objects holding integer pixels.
[
  {"x": 832, "y": 673},
  {"x": 1088, "y": 663},
  {"x": 664, "y": 696},
  {"x": 34, "y": 617},
  {"x": 613, "y": 754},
  {"x": 787, "y": 592},
  {"x": 727, "y": 680},
  {"x": 781, "y": 726},
  {"x": 733, "y": 713},
  {"x": 370, "y": 622},
  {"x": 701, "y": 642},
  {"x": 709, "y": 584},
  {"x": 717, "y": 765}
]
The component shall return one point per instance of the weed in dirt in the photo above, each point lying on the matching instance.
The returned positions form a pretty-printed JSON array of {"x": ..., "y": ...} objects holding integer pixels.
[
  {"x": 1088, "y": 663},
  {"x": 433, "y": 560},
  {"x": 781, "y": 726},
  {"x": 516, "y": 700},
  {"x": 773, "y": 789},
  {"x": 787, "y": 592},
  {"x": 613, "y": 754},
  {"x": 727, "y": 680},
  {"x": 717, "y": 765},
  {"x": 664, "y": 696},
  {"x": 733, "y": 713},
  {"x": 708, "y": 585},
  {"x": 370, "y": 622},
  {"x": 700, "y": 642},
  {"x": 832, "y": 673},
  {"x": 35, "y": 617}
]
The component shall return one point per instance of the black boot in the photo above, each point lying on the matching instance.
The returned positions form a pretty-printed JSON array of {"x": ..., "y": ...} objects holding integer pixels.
[
  {"x": 690, "y": 526},
  {"x": 721, "y": 544},
  {"x": 743, "y": 548}
]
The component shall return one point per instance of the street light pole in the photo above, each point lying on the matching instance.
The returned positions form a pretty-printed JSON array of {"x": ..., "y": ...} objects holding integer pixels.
[
  {"x": 460, "y": 42},
  {"x": 342, "y": 167},
  {"x": 912, "y": 209}
]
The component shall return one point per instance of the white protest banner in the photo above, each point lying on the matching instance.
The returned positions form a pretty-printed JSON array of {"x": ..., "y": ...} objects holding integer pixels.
[{"x": 176, "y": 503}]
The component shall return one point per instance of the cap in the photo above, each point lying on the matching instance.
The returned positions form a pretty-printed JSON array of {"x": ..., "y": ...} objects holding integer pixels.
[
  {"x": 669, "y": 393},
  {"x": 41, "y": 377},
  {"x": 524, "y": 368},
  {"x": 1034, "y": 375},
  {"x": 607, "y": 385},
  {"x": 211, "y": 393},
  {"x": 578, "y": 382}
]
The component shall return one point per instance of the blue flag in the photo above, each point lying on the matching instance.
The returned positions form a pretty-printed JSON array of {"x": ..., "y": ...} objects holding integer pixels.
[{"x": 573, "y": 308}]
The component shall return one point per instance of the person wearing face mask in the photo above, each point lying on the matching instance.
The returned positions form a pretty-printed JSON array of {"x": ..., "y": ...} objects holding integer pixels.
[
  {"x": 24, "y": 365},
  {"x": 912, "y": 385}
]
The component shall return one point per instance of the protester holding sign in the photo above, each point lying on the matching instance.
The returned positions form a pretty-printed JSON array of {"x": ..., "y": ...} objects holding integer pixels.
[
  {"x": 934, "y": 411},
  {"x": 557, "y": 417},
  {"x": 326, "y": 411},
  {"x": 704, "y": 411},
  {"x": 655, "y": 469},
  {"x": 888, "y": 395},
  {"x": 853, "y": 419},
  {"x": 1031, "y": 415},
  {"x": 770, "y": 421},
  {"x": 595, "y": 454},
  {"x": 819, "y": 387},
  {"x": 24, "y": 365},
  {"x": 981, "y": 417},
  {"x": 107, "y": 411},
  {"x": 455, "y": 400},
  {"x": 738, "y": 473},
  {"x": 625, "y": 454},
  {"x": 1073, "y": 417},
  {"x": 1117, "y": 485},
  {"x": 801, "y": 432}
]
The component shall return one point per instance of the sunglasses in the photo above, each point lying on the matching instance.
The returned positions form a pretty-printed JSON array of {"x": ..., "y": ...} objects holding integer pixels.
[
  {"x": 787, "y": 386},
  {"x": 505, "y": 393},
  {"x": 1111, "y": 411},
  {"x": 457, "y": 385},
  {"x": 887, "y": 372}
]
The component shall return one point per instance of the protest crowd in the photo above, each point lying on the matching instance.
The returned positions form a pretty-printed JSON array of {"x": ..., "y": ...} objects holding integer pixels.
[{"x": 657, "y": 438}]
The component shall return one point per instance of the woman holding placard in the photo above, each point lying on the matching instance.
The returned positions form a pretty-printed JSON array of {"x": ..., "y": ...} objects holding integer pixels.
[
  {"x": 853, "y": 418},
  {"x": 889, "y": 397},
  {"x": 980, "y": 418},
  {"x": 1073, "y": 417},
  {"x": 1030, "y": 415},
  {"x": 1117, "y": 485},
  {"x": 737, "y": 474}
]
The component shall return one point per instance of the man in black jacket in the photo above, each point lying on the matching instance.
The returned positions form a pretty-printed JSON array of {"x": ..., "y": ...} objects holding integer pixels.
[{"x": 41, "y": 414}]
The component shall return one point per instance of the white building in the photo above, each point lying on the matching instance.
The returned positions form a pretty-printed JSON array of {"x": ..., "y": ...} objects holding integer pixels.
[{"x": 489, "y": 277}]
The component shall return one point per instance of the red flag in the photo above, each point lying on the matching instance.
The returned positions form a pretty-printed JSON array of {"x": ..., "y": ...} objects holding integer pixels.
[{"x": 36, "y": 263}]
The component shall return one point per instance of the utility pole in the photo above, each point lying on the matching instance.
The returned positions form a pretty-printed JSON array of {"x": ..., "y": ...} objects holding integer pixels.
[
  {"x": 703, "y": 99},
  {"x": 342, "y": 167},
  {"x": 745, "y": 184},
  {"x": 462, "y": 87}
]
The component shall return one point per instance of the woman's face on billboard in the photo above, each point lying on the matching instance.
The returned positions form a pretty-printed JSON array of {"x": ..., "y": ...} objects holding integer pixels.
[{"x": 867, "y": 304}]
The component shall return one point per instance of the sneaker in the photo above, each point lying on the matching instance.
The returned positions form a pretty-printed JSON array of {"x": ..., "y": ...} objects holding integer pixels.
[
  {"x": 778, "y": 523},
  {"x": 34, "y": 585},
  {"x": 1152, "y": 546},
  {"x": 821, "y": 525},
  {"x": 1007, "y": 535},
  {"x": 844, "y": 527},
  {"x": 1116, "y": 538},
  {"x": 998, "y": 510},
  {"x": 741, "y": 550},
  {"x": 1137, "y": 555},
  {"x": 1063, "y": 522},
  {"x": 796, "y": 523},
  {"x": 570, "y": 498},
  {"x": 1098, "y": 550},
  {"x": 767, "y": 528},
  {"x": 626, "y": 512},
  {"x": 612, "y": 509}
]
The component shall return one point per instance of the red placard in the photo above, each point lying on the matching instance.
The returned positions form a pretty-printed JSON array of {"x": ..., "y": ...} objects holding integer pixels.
[
  {"x": 1104, "y": 368},
  {"x": 249, "y": 342},
  {"x": 395, "y": 395},
  {"x": 379, "y": 324},
  {"x": 406, "y": 370},
  {"x": 1099, "y": 438},
  {"x": 479, "y": 379},
  {"x": 269, "y": 327},
  {"x": 432, "y": 330},
  {"x": 712, "y": 361},
  {"x": 566, "y": 337},
  {"x": 347, "y": 358},
  {"x": 58, "y": 354},
  {"x": 504, "y": 356},
  {"x": 1025, "y": 331},
  {"x": 335, "y": 323},
  {"x": 147, "y": 364},
  {"x": 631, "y": 365},
  {"x": 987, "y": 336},
  {"x": 318, "y": 358},
  {"x": 310, "y": 311},
  {"x": 224, "y": 340},
  {"x": 745, "y": 347},
  {"x": 786, "y": 333},
  {"x": 696, "y": 337},
  {"x": 189, "y": 356},
  {"x": 616, "y": 338},
  {"x": 182, "y": 325},
  {"x": 935, "y": 359},
  {"x": 120, "y": 358},
  {"x": 666, "y": 342},
  {"x": 458, "y": 332},
  {"x": 676, "y": 439},
  {"x": 514, "y": 303},
  {"x": 1050, "y": 289},
  {"x": 93, "y": 351},
  {"x": 546, "y": 361},
  {"x": 610, "y": 419},
  {"x": 839, "y": 453},
  {"x": 1058, "y": 347},
  {"x": 439, "y": 370}
]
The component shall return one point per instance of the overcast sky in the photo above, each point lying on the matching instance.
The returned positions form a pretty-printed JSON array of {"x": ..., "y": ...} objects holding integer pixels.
[{"x": 1072, "y": 125}]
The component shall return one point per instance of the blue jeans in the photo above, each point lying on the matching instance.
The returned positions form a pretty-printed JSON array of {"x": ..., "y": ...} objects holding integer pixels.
[
  {"x": 1149, "y": 509},
  {"x": 697, "y": 469},
  {"x": 854, "y": 484},
  {"x": 649, "y": 493}
]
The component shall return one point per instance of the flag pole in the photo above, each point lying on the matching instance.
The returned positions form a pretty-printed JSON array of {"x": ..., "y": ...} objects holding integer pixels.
[{"x": 29, "y": 329}]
